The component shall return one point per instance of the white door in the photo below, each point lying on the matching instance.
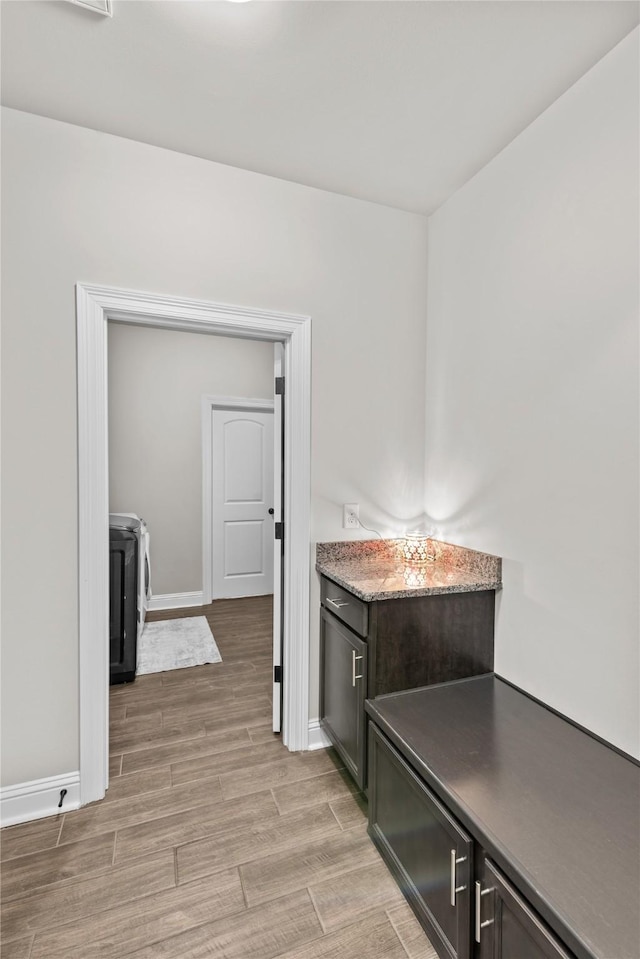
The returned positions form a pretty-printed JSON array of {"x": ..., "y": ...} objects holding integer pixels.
[
  {"x": 242, "y": 495},
  {"x": 278, "y": 544}
]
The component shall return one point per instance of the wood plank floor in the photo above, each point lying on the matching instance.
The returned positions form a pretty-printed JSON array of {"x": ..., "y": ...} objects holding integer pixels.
[{"x": 213, "y": 840}]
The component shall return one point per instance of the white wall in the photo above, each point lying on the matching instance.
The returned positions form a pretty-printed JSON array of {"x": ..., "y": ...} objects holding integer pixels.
[
  {"x": 532, "y": 394},
  {"x": 156, "y": 382},
  {"x": 80, "y": 206}
]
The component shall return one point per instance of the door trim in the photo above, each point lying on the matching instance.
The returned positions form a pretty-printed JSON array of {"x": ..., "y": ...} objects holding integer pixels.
[
  {"x": 95, "y": 306},
  {"x": 208, "y": 404}
]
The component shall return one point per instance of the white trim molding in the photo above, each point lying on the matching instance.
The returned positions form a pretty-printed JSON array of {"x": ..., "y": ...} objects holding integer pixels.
[
  {"x": 317, "y": 738},
  {"x": 104, "y": 7},
  {"x": 95, "y": 306},
  {"x": 39, "y": 798},
  {"x": 176, "y": 600},
  {"x": 208, "y": 404}
]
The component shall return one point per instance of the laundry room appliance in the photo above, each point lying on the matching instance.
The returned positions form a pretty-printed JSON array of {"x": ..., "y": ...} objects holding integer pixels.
[{"x": 129, "y": 592}]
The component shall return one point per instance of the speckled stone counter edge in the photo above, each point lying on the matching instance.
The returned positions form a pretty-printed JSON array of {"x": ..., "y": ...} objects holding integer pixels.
[{"x": 371, "y": 569}]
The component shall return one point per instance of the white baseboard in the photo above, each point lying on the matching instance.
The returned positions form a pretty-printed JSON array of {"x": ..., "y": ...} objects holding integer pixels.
[
  {"x": 176, "y": 600},
  {"x": 317, "y": 739},
  {"x": 39, "y": 798}
]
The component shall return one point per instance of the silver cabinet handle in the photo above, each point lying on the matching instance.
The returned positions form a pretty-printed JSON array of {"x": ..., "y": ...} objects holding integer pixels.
[
  {"x": 480, "y": 925},
  {"x": 338, "y": 603},
  {"x": 354, "y": 659},
  {"x": 455, "y": 889}
]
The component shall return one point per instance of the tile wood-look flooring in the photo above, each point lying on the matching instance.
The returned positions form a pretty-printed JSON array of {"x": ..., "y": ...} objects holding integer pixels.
[{"x": 213, "y": 840}]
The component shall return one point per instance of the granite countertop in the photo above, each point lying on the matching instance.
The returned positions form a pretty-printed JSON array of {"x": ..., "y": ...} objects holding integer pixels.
[{"x": 375, "y": 569}]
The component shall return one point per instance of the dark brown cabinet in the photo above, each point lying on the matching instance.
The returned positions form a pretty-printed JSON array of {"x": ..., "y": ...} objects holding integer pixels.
[
  {"x": 432, "y": 859},
  {"x": 505, "y": 926},
  {"x": 551, "y": 810},
  {"x": 369, "y": 649},
  {"x": 430, "y": 855},
  {"x": 344, "y": 668}
]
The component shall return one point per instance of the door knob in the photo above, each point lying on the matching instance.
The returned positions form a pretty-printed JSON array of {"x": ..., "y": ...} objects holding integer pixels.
[{"x": 271, "y": 511}]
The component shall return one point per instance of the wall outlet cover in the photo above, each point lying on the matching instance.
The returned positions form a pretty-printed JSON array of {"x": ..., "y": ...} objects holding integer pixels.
[{"x": 350, "y": 516}]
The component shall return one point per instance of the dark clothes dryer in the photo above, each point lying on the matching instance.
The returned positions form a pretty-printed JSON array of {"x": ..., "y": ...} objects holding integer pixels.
[{"x": 123, "y": 604}]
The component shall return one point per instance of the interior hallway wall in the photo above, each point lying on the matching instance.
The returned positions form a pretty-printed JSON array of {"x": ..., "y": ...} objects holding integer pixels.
[
  {"x": 156, "y": 381},
  {"x": 86, "y": 207},
  {"x": 532, "y": 394}
]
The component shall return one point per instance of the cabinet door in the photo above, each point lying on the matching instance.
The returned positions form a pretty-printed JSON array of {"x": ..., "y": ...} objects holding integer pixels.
[
  {"x": 505, "y": 925},
  {"x": 425, "y": 848},
  {"x": 343, "y": 689}
]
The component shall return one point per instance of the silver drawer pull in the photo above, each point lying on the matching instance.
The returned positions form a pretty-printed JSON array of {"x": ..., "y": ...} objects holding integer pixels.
[
  {"x": 338, "y": 603},
  {"x": 455, "y": 889},
  {"x": 480, "y": 925},
  {"x": 354, "y": 659}
]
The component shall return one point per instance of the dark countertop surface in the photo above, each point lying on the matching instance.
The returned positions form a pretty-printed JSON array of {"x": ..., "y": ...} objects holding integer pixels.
[
  {"x": 375, "y": 569},
  {"x": 557, "y": 810}
]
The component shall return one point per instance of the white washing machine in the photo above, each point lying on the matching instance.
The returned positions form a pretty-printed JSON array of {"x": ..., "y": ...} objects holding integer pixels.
[{"x": 132, "y": 522}]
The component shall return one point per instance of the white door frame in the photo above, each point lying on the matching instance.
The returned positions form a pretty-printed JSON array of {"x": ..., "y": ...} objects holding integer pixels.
[
  {"x": 95, "y": 306},
  {"x": 210, "y": 403}
]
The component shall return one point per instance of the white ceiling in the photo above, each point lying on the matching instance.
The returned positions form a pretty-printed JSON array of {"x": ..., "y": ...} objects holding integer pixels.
[{"x": 387, "y": 100}]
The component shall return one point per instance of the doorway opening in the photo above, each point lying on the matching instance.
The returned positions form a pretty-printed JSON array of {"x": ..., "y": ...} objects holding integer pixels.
[
  {"x": 95, "y": 307},
  {"x": 243, "y": 460}
]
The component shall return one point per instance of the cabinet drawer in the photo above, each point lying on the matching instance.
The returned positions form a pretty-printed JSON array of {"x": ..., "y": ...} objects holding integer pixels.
[{"x": 345, "y": 606}]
